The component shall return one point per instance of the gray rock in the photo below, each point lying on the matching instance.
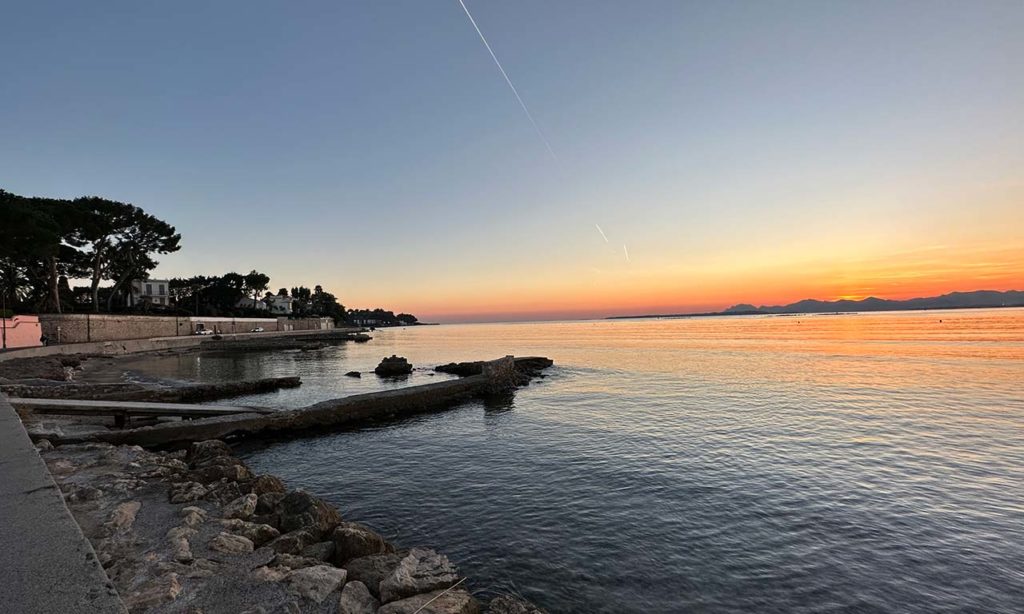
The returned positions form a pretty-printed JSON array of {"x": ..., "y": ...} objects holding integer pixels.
[
  {"x": 508, "y": 604},
  {"x": 153, "y": 593},
  {"x": 204, "y": 450},
  {"x": 258, "y": 534},
  {"x": 292, "y": 542},
  {"x": 316, "y": 582},
  {"x": 223, "y": 491},
  {"x": 221, "y": 468},
  {"x": 231, "y": 544},
  {"x": 268, "y": 502},
  {"x": 353, "y": 540},
  {"x": 393, "y": 365},
  {"x": 356, "y": 599},
  {"x": 421, "y": 571},
  {"x": 242, "y": 508},
  {"x": 456, "y": 601},
  {"x": 322, "y": 551},
  {"x": 301, "y": 510},
  {"x": 371, "y": 570},
  {"x": 267, "y": 574},
  {"x": 268, "y": 484}
]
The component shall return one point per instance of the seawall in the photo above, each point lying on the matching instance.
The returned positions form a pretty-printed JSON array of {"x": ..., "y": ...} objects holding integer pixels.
[{"x": 133, "y": 346}]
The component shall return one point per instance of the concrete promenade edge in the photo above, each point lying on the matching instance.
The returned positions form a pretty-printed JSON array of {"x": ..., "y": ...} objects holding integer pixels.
[{"x": 48, "y": 564}]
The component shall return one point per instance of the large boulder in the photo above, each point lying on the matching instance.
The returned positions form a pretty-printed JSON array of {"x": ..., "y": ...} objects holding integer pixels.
[
  {"x": 356, "y": 599},
  {"x": 421, "y": 571},
  {"x": 267, "y": 484},
  {"x": 316, "y": 582},
  {"x": 372, "y": 569},
  {"x": 353, "y": 540},
  {"x": 292, "y": 542},
  {"x": 301, "y": 510},
  {"x": 220, "y": 468},
  {"x": 456, "y": 601},
  {"x": 322, "y": 551},
  {"x": 507, "y": 604},
  {"x": 241, "y": 508},
  {"x": 267, "y": 502},
  {"x": 393, "y": 365}
]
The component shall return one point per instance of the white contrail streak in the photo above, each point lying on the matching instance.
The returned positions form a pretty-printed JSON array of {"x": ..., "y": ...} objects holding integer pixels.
[
  {"x": 627, "y": 252},
  {"x": 509, "y": 81},
  {"x": 602, "y": 233}
]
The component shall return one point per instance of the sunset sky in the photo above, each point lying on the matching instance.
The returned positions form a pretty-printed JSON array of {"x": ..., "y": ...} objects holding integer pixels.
[{"x": 742, "y": 152}]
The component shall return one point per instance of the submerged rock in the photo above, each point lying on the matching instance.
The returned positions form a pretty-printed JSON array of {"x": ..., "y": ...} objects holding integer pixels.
[
  {"x": 393, "y": 365},
  {"x": 422, "y": 570},
  {"x": 353, "y": 374},
  {"x": 507, "y": 604}
]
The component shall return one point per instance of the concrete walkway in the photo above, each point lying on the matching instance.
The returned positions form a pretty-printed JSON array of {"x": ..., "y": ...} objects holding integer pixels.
[{"x": 48, "y": 565}]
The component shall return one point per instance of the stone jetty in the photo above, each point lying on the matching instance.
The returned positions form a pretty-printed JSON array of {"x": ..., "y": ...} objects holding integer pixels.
[{"x": 496, "y": 376}]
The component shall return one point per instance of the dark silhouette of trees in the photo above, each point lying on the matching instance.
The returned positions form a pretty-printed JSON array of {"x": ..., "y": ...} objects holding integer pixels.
[{"x": 44, "y": 239}]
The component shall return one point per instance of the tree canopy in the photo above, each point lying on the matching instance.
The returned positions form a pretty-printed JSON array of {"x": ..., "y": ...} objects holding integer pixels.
[{"x": 45, "y": 239}]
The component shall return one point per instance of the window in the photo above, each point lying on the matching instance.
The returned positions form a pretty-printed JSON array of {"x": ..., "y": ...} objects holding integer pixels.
[
  {"x": 162, "y": 290},
  {"x": 149, "y": 288}
]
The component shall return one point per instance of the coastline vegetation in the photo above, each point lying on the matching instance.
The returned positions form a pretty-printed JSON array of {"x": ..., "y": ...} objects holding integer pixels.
[{"x": 45, "y": 242}]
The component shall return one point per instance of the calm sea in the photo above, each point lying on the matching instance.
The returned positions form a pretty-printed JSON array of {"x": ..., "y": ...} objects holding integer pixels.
[{"x": 828, "y": 463}]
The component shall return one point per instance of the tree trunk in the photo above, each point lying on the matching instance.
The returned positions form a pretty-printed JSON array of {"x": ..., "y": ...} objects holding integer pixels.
[
  {"x": 113, "y": 292},
  {"x": 52, "y": 304},
  {"x": 96, "y": 274}
]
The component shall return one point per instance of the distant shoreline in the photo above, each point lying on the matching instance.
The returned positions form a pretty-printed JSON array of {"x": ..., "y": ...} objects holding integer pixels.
[{"x": 801, "y": 313}]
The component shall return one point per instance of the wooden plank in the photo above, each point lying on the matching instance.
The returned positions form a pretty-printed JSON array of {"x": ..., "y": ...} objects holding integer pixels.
[{"x": 71, "y": 407}]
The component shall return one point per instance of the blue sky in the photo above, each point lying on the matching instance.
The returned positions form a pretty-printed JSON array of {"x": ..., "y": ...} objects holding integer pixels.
[{"x": 374, "y": 147}]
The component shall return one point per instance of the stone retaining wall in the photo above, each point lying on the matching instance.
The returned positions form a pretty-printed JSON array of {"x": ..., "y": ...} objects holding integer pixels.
[{"x": 89, "y": 327}]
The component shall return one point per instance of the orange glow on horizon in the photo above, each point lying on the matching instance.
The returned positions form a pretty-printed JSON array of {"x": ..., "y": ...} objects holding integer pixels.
[{"x": 917, "y": 273}]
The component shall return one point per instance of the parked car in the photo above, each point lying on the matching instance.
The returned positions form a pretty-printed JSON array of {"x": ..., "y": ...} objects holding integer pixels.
[{"x": 258, "y": 329}]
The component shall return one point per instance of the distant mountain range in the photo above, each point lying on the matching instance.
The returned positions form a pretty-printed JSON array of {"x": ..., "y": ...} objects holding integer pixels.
[{"x": 954, "y": 300}]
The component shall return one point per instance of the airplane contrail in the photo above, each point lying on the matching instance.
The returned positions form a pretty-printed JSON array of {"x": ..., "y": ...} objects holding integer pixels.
[
  {"x": 627, "y": 252},
  {"x": 509, "y": 81},
  {"x": 602, "y": 233}
]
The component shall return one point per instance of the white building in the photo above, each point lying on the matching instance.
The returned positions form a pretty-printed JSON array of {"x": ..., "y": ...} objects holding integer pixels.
[
  {"x": 152, "y": 291},
  {"x": 281, "y": 305}
]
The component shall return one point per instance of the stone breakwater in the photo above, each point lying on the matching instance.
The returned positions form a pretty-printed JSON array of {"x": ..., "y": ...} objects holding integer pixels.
[
  {"x": 497, "y": 377},
  {"x": 196, "y": 531}
]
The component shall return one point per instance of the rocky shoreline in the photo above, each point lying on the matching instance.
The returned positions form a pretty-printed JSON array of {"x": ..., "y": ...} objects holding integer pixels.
[{"x": 196, "y": 531}]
